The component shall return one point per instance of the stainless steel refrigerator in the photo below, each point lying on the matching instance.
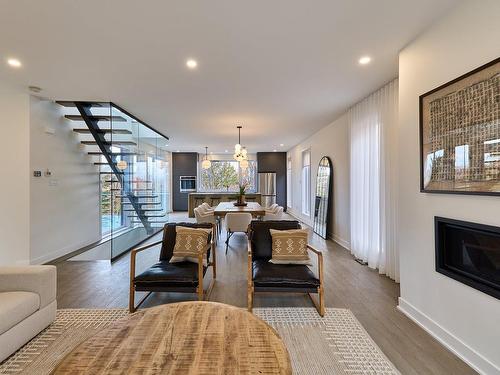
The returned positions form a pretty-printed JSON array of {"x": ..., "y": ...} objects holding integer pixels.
[{"x": 267, "y": 188}]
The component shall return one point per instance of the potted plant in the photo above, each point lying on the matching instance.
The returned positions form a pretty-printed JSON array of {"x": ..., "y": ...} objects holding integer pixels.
[{"x": 241, "y": 194}]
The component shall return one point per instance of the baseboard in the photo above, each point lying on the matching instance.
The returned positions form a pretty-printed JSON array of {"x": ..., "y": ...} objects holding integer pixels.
[
  {"x": 61, "y": 252},
  {"x": 450, "y": 341},
  {"x": 299, "y": 217},
  {"x": 345, "y": 244},
  {"x": 335, "y": 238}
]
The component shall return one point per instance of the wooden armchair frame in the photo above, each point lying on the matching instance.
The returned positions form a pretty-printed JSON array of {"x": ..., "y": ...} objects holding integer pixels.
[
  {"x": 319, "y": 305},
  {"x": 202, "y": 294}
]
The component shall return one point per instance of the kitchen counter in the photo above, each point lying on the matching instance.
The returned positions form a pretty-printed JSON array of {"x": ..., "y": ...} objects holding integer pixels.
[{"x": 213, "y": 199}]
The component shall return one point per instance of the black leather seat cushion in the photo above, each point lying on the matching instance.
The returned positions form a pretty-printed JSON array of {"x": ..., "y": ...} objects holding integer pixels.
[
  {"x": 165, "y": 274},
  {"x": 260, "y": 236},
  {"x": 170, "y": 234},
  {"x": 290, "y": 276}
]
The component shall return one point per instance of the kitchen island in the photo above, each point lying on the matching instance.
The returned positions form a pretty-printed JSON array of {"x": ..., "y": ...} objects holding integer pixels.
[{"x": 213, "y": 199}]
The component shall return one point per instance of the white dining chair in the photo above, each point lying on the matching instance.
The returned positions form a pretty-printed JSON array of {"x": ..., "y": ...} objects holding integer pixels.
[
  {"x": 203, "y": 216},
  {"x": 276, "y": 214},
  {"x": 206, "y": 207},
  {"x": 272, "y": 207},
  {"x": 236, "y": 222}
]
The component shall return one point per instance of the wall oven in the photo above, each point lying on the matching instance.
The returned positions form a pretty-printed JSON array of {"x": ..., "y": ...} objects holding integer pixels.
[{"x": 187, "y": 184}]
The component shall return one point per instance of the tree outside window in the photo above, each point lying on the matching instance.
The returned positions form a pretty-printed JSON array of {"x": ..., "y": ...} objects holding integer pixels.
[{"x": 223, "y": 176}]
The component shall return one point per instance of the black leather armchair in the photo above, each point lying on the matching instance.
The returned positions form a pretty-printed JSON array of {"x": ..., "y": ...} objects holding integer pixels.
[
  {"x": 264, "y": 276},
  {"x": 184, "y": 277}
]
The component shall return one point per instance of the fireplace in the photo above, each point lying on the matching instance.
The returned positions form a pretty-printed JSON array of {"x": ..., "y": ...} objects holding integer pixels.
[{"x": 469, "y": 253}]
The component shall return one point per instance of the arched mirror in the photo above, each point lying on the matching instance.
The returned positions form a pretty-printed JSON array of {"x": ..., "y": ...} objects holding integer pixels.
[{"x": 323, "y": 197}]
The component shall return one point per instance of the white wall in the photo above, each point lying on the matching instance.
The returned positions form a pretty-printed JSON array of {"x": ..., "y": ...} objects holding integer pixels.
[
  {"x": 64, "y": 207},
  {"x": 465, "y": 319},
  {"x": 14, "y": 189},
  {"x": 332, "y": 141}
]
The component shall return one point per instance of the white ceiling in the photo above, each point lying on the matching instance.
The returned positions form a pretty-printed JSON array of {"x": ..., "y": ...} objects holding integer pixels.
[{"x": 281, "y": 68}]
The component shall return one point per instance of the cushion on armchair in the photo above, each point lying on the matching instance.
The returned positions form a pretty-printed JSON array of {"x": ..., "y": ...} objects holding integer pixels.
[
  {"x": 260, "y": 236},
  {"x": 169, "y": 236},
  {"x": 290, "y": 246},
  {"x": 189, "y": 243},
  {"x": 291, "y": 276},
  {"x": 165, "y": 274}
]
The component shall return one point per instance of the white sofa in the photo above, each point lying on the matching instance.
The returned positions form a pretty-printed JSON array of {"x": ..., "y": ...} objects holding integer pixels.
[{"x": 27, "y": 304}]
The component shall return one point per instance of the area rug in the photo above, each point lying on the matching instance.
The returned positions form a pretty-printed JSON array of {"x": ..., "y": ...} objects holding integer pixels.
[{"x": 335, "y": 344}]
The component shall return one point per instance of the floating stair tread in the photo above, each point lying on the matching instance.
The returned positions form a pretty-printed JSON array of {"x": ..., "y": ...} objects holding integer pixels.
[
  {"x": 112, "y": 153},
  {"x": 96, "y": 118},
  {"x": 135, "y": 197},
  {"x": 150, "y": 189},
  {"x": 71, "y": 104},
  {"x": 148, "y": 216},
  {"x": 104, "y": 131},
  {"x": 143, "y": 209},
  {"x": 150, "y": 222},
  {"x": 132, "y": 182},
  {"x": 128, "y": 143}
]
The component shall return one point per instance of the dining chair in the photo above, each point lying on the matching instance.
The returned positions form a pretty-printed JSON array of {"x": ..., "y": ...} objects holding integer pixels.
[
  {"x": 203, "y": 216},
  {"x": 275, "y": 214},
  {"x": 236, "y": 222},
  {"x": 206, "y": 207}
]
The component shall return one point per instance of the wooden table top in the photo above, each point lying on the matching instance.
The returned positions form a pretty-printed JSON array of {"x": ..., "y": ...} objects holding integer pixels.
[
  {"x": 182, "y": 338},
  {"x": 252, "y": 207}
]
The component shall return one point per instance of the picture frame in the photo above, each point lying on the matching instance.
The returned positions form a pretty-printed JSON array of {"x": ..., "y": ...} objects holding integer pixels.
[{"x": 459, "y": 131}]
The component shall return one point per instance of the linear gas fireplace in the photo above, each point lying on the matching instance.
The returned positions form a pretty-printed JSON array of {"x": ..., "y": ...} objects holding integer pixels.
[{"x": 469, "y": 253}]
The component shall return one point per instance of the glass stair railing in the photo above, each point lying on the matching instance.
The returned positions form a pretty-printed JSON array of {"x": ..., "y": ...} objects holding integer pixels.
[{"x": 133, "y": 164}]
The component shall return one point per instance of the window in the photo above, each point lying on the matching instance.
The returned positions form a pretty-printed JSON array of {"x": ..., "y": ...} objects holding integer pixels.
[
  {"x": 225, "y": 175},
  {"x": 289, "y": 182},
  {"x": 306, "y": 182}
]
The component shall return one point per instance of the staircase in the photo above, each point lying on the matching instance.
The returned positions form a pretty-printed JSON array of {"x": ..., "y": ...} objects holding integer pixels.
[{"x": 128, "y": 153}]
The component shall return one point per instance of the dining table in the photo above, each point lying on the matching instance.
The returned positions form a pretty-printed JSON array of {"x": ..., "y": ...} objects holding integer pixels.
[{"x": 253, "y": 208}]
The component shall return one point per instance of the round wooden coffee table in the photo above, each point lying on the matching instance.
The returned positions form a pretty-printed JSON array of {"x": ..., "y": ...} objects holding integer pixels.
[{"x": 182, "y": 338}]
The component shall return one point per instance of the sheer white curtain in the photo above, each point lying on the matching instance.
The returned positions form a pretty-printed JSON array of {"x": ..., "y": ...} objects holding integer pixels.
[{"x": 373, "y": 126}]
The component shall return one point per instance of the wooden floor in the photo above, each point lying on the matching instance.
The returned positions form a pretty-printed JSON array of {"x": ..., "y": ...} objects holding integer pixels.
[{"x": 371, "y": 297}]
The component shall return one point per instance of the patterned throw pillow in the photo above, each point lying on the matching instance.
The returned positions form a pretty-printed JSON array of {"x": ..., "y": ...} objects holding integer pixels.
[
  {"x": 289, "y": 246},
  {"x": 189, "y": 242}
]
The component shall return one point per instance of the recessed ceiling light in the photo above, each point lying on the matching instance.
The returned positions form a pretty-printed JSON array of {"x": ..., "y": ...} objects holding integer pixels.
[
  {"x": 191, "y": 64},
  {"x": 15, "y": 63},
  {"x": 166, "y": 145},
  {"x": 281, "y": 144},
  {"x": 177, "y": 151},
  {"x": 274, "y": 150},
  {"x": 226, "y": 151},
  {"x": 365, "y": 60}
]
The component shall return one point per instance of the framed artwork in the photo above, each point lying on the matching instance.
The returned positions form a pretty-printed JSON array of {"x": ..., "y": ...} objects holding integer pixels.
[{"x": 460, "y": 134}]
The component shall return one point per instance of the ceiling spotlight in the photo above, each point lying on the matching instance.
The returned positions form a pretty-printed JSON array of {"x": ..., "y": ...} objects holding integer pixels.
[
  {"x": 15, "y": 63},
  {"x": 365, "y": 60},
  {"x": 281, "y": 144},
  {"x": 275, "y": 150},
  {"x": 191, "y": 64},
  {"x": 226, "y": 151}
]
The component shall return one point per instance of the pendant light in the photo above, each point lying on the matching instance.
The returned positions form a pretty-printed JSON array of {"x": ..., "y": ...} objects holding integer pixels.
[
  {"x": 122, "y": 165},
  {"x": 240, "y": 153},
  {"x": 244, "y": 164},
  {"x": 206, "y": 163}
]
